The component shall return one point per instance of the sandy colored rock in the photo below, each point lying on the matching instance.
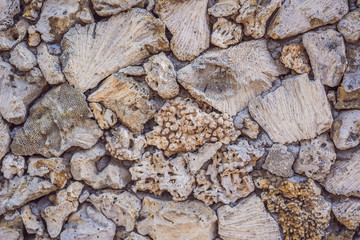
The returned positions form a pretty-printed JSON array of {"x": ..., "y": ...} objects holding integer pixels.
[
  {"x": 104, "y": 117},
  {"x": 345, "y": 131},
  {"x": 289, "y": 115},
  {"x": 173, "y": 134},
  {"x": 293, "y": 56},
  {"x": 32, "y": 9},
  {"x": 112, "y": 7},
  {"x": 247, "y": 220},
  {"x": 192, "y": 36},
  {"x": 133, "y": 70},
  {"x": 34, "y": 37},
  {"x": 316, "y": 157},
  {"x": 65, "y": 203},
  {"x": 13, "y": 165},
  {"x": 279, "y": 161},
  {"x": 254, "y": 15},
  {"x": 163, "y": 220},
  {"x": 349, "y": 26},
  {"x": 342, "y": 235},
  {"x": 58, "y": 121},
  {"x": 31, "y": 223},
  {"x": 224, "y": 8},
  {"x": 135, "y": 236},
  {"x": 83, "y": 167},
  {"x": 326, "y": 50},
  {"x": 161, "y": 76},
  {"x": 49, "y": 65},
  {"x": 347, "y": 212},
  {"x": 122, "y": 208},
  {"x": 51, "y": 168},
  {"x": 14, "y": 35},
  {"x": 299, "y": 16},
  {"x": 22, "y": 58},
  {"x": 224, "y": 78},
  {"x": 88, "y": 223},
  {"x": 225, "y": 33},
  {"x": 246, "y": 124},
  {"x": 82, "y": 46},
  {"x": 195, "y": 160},
  {"x": 11, "y": 227},
  {"x": 8, "y": 9},
  {"x": 5, "y": 137}
]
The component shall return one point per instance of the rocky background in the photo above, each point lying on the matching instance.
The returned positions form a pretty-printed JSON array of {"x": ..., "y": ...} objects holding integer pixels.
[{"x": 179, "y": 119}]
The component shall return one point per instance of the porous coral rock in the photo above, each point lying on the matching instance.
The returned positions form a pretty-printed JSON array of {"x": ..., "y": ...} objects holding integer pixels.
[
  {"x": 5, "y": 137},
  {"x": 247, "y": 220},
  {"x": 14, "y": 35},
  {"x": 122, "y": 144},
  {"x": 88, "y": 223},
  {"x": 183, "y": 127},
  {"x": 32, "y": 9},
  {"x": 128, "y": 98},
  {"x": 135, "y": 236},
  {"x": 163, "y": 220},
  {"x": 288, "y": 114},
  {"x": 254, "y": 15},
  {"x": 161, "y": 76},
  {"x": 13, "y": 165},
  {"x": 8, "y": 9},
  {"x": 192, "y": 36},
  {"x": 347, "y": 211},
  {"x": 349, "y": 26},
  {"x": 104, "y": 117},
  {"x": 34, "y": 37},
  {"x": 345, "y": 131},
  {"x": 32, "y": 224},
  {"x": 49, "y": 65},
  {"x": 316, "y": 157},
  {"x": 83, "y": 167},
  {"x": 326, "y": 50},
  {"x": 52, "y": 168},
  {"x": 65, "y": 204},
  {"x": 224, "y": 8},
  {"x": 294, "y": 56},
  {"x": 227, "y": 177},
  {"x": 303, "y": 213},
  {"x": 11, "y": 227},
  {"x": 123, "y": 208},
  {"x": 225, "y": 33},
  {"x": 342, "y": 235},
  {"x": 22, "y": 58},
  {"x": 82, "y": 46},
  {"x": 279, "y": 161},
  {"x": 58, "y": 121},
  {"x": 244, "y": 122},
  {"x": 298, "y": 16},
  {"x": 224, "y": 78},
  {"x": 112, "y": 7}
]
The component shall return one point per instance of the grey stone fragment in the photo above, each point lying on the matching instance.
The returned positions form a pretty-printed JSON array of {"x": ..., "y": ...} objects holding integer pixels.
[{"x": 279, "y": 161}]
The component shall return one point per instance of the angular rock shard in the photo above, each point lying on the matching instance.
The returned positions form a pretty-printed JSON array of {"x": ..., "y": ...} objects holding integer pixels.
[
  {"x": 32, "y": 223},
  {"x": 93, "y": 52},
  {"x": 22, "y": 58},
  {"x": 279, "y": 161},
  {"x": 13, "y": 165},
  {"x": 345, "y": 131},
  {"x": 298, "y": 16},
  {"x": 226, "y": 33},
  {"x": 5, "y": 138},
  {"x": 49, "y": 65},
  {"x": 192, "y": 36},
  {"x": 227, "y": 79},
  {"x": 289, "y": 115},
  {"x": 349, "y": 26},
  {"x": 58, "y": 121},
  {"x": 104, "y": 117}
]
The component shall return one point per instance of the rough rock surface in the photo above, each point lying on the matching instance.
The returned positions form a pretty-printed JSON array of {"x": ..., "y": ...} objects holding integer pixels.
[
  {"x": 104, "y": 117},
  {"x": 346, "y": 211},
  {"x": 294, "y": 56},
  {"x": 49, "y": 65},
  {"x": 192, "y": 36},
  {"x": 34, "y": 37},
  {"x": 288, "y": 115},
  {"x": 326, "y": 50},
  {"x": 11, "y": 226},
  {"x": 58, "y": 121},
  {"x": 5, "y": 138},
  {"x": 345, "y": 131},
  {"x": 224, "y": 8},
  {"x": 349, "y": 26},
  {"x": 279, "y": 161},
  {"x": 225, "y": 33},
  {"x": 31, "y": 222},
  {"x": 137, "y": 28},
  {"x": 113, "y": 7},
  {"x": 22, "y": 58},
  {"x": 224, "y": 78},
  {"x": 163, "y": 220},
  {"x": 8, "y": 9},
  {"x": 32, "y": 9},
  {"x": 13, "y": 165},
  {"x": 247, "y": 220},
  {"x": 13, "y": 36},
  {"x": 246, "y": 124}
]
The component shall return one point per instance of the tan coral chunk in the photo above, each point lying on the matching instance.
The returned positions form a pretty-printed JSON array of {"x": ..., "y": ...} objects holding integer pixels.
[
  {"x": 32, "y": 223},
  {"x": 5, "y": 137},
  {"x": 113, "y": 7},
  {"x": 11, "y": 226},
  {"x": 32, "y": 9},
  {"x": 104, "y": 117},
  {"x": 294, "y": 56},
  {"x": 279, "y": 161},
  {"x": 22, "y": 58},
  {"x": 14, "y": 35},
  {"x": 349, "y": 26},
  {"x": 49, "y": 65},
  {"x": 13, "y": 165},
  {"x": 224, "y": 8},
  {"x": 345, "y": 131},
  {"x": 346, "y": 211},
  {"x": 226, "y": 33}
]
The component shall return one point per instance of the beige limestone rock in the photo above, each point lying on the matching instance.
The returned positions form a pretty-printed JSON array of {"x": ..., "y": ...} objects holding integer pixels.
[
  {"x": 88, "y": 223},
  {"x": 298, "y": 16},
  {"x": 316, "y": 157},
  {"x": 104, "y": 117},
  {"x": 93, "y": 52},
  {"x": 163, "y": 220},
  {"x": 8, "y": 9},
  {"x": 192, "y": 36},
  {"x": 294, "y": 56},
  {"x": 135, "y": 236},
  {"x": 246, "y": 124},
  {"x": 32, "y": 224},
  {"x": 122, "y": 144},
  {"x": 326, "y": 50},
  {"x": 14, "y": 35},
  {"x": 58, "y": 121},
  {"x": 65, "y": 203},
  {"x": 345, "y": 131},
  {"x": 113, "y": 7},
  {"x": 349, "y": 26},
  {"x": 247, "y": 220},
  {"x": 34, "y": 37},
  {"x": 128, "y": 98},
  {"x": 11, "y": 227},
  {"x": 254, "y": 15},
  {"x": 13, "y": 165},
  {"x": 279, "y": 161},
  {"x": 288, "y": 114},
  {"x": 5, "y": 137},
  {"x": 224, "y": 78},
  {"x": 133, "y": 71},
  {"x": 52, "y": 168},
  {"x": 195, "y": 160},
  {"x": 161, "y": 76},
  {"x": 49, "y": 65},
  {"x": 32, "y": 9},
  {"x": 224, "y": 8},
  {"x": 346, "y": 211},
  {"x": 122, "y": 208},
  {"x": 225, "y": 33},
  {"x": 22, "y": 58},
  {"x": 83, "y": 167}
]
